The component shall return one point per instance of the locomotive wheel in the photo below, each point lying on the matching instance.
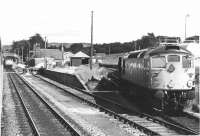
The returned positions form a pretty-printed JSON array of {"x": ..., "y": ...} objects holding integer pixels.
[
  {"x": 158, "y": 105},
  {"x": 159, "y": 101}
]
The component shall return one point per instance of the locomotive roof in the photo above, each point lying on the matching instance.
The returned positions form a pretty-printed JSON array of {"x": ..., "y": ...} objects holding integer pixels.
[
  {"x": 158, "y": 50},
  {"x": 168, "y": 49}
]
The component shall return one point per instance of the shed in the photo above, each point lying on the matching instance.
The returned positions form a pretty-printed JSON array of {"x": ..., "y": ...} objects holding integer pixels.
[
  {"x": 79, "y": 58},
  {"x": 38, "y": 55}
]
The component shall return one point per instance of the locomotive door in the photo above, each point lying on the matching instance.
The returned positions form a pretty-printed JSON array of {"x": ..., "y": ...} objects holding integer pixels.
[
  {"x": 146, "y": 72},
  {"x": 121, "y": 65}
]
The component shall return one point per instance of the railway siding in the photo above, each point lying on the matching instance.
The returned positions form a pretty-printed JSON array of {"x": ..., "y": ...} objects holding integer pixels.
[{"x": 88, "y": 118}]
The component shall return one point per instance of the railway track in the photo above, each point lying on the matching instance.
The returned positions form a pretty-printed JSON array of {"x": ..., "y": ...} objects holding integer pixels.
[
  {"x": 144, "y": 122},
  {"x": 43, "y": 119},
  {"x": 184, "y": 120}
]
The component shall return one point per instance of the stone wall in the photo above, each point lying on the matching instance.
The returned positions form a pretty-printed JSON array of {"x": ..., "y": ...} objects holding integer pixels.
[{"x": 63, "y": 78}]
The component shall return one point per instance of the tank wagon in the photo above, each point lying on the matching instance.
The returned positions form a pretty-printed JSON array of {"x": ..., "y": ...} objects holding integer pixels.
[{"x": 164, "y": 75}]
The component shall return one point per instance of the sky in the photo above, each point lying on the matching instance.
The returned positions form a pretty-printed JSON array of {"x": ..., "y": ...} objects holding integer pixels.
[{"x": 69, "y": 21}]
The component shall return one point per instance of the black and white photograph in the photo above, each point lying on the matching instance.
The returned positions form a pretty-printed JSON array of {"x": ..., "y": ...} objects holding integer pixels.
[{"x": 99, "y": 67}]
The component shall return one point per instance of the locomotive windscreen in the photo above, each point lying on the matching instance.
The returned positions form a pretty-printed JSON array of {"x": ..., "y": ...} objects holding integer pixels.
[
  {"x": 172, "y": 48},
  {"x": 173, "y": 58},
  {"x": 158, "y": 62}
]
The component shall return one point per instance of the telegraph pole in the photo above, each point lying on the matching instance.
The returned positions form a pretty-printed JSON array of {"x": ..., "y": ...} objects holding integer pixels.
[
  {"x": 28, "y": 51},
  {"x": 22, "y": 54},
  {"x": 92, "y": 48},
  {"x": 186, "y": 16},
  {"x": 45, "y": 42},
  {"x": 62, "y": 49},
  {"x": 45, "y": 46},
  {"x": 1, "y": 53}
]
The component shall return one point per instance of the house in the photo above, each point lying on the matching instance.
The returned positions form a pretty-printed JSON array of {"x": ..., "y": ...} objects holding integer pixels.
[
  {"x": 50, "y": 53},
  {"x": 39, "y": 56},
  {"x": 79, "y": 58}
]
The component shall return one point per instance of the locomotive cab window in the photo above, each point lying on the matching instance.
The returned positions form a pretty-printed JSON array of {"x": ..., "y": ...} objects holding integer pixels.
[
  {"x": 158, "y": 62},
  {"x": 186, "y": 62},
  {"x": 173, "y": 58}
]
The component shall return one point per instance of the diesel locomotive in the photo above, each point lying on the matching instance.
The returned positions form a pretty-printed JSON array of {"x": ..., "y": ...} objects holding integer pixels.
[{"x": 165, "y": 75}]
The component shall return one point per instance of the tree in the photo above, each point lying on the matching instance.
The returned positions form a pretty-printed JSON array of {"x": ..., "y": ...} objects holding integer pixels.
[
  {"x": 21, "y": 48},
  {"x": 76, "y": 47},
  {"x": 147, "y": 41},
  {"x": 36, "y": 40}
]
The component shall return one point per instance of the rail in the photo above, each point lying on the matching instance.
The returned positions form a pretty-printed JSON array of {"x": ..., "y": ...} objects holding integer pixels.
[
  {"x": 125, "y": 120},
  {"x": 30, "y": 120},
  {"x": 107, "y": 111},
  {"x": 62, "y": 120}
]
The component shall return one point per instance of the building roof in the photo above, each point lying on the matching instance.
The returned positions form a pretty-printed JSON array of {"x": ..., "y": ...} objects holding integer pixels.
[
  {"x": 68, "y": 53},
  {"x": 6, "y": 54},
  {"x": 52, "y": 53},
  {"x": 80, "y": 54}
]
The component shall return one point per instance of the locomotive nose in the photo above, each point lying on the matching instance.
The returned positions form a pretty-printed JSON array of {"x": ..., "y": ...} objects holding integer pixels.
[
  {"x": 190, "y": 83},
  {"x": 171, "y": 84},
  {"x": 171, "y": 68}
]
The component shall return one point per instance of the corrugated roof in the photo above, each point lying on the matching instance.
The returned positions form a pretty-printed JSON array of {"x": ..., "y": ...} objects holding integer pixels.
[{"x": 80, "y": 54}]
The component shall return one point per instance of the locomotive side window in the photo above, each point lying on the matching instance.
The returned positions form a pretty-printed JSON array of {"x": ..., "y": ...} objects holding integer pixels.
[
  {"x": 186, "y": 62},
  {"x": 158, "y": 62},
  {"x": 173, "y": 58},
  {"x": 141, "y": 55},
  {"x": 133, "y": 55}
]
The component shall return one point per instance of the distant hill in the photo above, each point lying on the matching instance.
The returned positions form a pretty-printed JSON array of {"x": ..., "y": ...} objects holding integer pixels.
[{"x": 66, "y": 45}]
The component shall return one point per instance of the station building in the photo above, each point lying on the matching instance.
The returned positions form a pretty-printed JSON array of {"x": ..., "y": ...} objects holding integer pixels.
[{"x": 79, "y": 58}]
